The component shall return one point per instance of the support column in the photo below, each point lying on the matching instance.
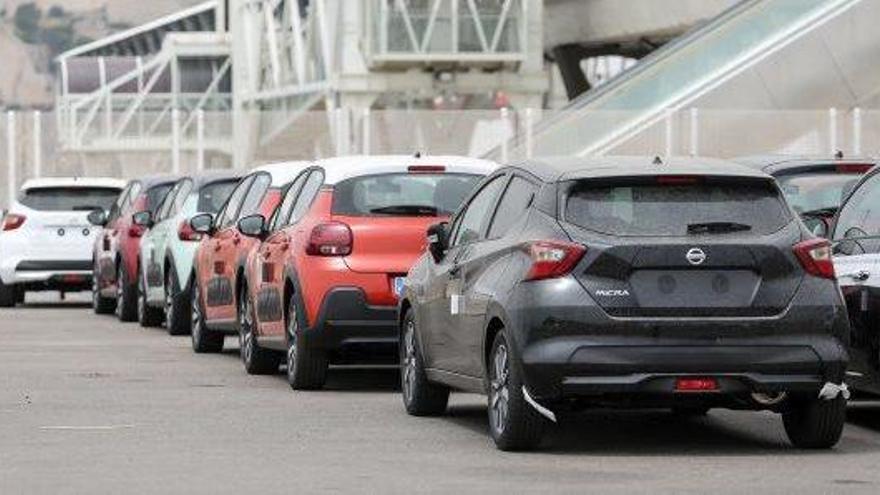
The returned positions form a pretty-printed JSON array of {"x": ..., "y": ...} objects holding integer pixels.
[
  {"x": 857, "y": 131},
  {"x": 832, "y": 131},
  {"x": 175, "y": 141},
  {"x": 37, "y": 139},
  {"x": 200, "y": 140},
  {"x": 10, "y": 158}
]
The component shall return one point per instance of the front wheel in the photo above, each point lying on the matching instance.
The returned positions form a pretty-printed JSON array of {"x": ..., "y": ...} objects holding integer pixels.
[
  {"x": 177, "y": 312},
  {"x": 203, "y": 339},
  {"x": 420, "y": 397},
  {"x": 815, "y": 423},
  {"x": 513, "y": 423},
  {"x": 306, "y": 367},
  {"x": 256, "y": 360},
  {"x": 148, "y": 316},
  {"x": 100, "y": 305},
  {"x": 7, "y": 295}
]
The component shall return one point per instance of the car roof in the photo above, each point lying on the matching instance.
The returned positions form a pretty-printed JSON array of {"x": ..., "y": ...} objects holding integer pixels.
[
  {"x": 346, "y": 167},
  {"x": 206, "y": 178},
  {"x": 283, "y": 172},
  {"x": 73, "y": 182},
  {"x": 150, "y": 181},
  {"x": 774, "y": 164},
  {"x": 568, "y": 168}
]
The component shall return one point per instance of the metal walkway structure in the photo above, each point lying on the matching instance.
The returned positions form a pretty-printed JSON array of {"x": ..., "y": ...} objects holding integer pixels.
[{"x": 758, "y": 55}]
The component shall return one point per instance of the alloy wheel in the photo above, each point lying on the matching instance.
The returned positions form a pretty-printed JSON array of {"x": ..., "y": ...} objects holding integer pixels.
[
  {"x": 499, "y": 393},
  {"x": 169, "y": 300},
  {"x": 292, "y": 327},
  {"x": 245, "y": 329},
  {"x": 119, "y": 292},
  {"x": 142, "y": 298},
  {"x": 196, "y": 312},
  {"x": 410, "y": 366}
]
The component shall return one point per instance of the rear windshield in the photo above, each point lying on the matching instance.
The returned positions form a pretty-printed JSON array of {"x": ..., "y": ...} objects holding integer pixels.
[
  {"x": 156, "y": 194},
  {"x": 70, "y": 198},
  {"x": 817, "y": 190},
  {"x": 652, "y": 209},
  {"x": 213, "y": 196},
  {"x": 402, "y": 194}
]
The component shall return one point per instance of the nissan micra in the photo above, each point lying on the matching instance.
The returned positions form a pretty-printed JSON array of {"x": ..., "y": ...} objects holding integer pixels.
[{"x": 688, "y": 284}]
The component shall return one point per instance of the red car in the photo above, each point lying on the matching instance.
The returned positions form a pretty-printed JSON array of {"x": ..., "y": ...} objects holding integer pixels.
[
  {"x": 115, "y": 256},
  {"x": 324, "y": 283},
  {"x": 220, "y": 257}
]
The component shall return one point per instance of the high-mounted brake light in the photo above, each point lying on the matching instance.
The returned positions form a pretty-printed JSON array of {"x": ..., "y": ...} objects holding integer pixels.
[
  {"x": 551, "y": 259},
  {"x": 12, "y": 221},
  {"x": 185, "y": 232},
  {"x": 330, "y": 239},
  {"x": 815, "y": 257},
  {"x": 853, "y": 168},
  {"x": 696, "y": 384},
  {"x": 426, "y": 169},
  {"x": 677, "y": 180}
]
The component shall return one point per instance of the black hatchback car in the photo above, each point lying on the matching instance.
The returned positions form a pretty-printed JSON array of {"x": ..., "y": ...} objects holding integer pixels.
[{"x": 626, "y": 282}]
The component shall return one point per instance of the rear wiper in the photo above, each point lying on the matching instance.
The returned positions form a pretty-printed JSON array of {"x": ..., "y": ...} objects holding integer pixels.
[
  {"x": 717, "y": 227},
  {"x": 406, "y": 210},
  {"x": 820, "y": 212}
]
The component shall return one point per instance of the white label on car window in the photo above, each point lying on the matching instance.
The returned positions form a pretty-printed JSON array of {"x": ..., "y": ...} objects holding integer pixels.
[{"x": 455, "y": 304}]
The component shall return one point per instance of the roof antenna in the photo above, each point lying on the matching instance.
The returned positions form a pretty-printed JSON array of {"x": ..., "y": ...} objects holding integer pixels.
[
  {"x": 839, "y": 155},
  {"x": 418, "y": 154},
  {"x": 658, "y": 160}
]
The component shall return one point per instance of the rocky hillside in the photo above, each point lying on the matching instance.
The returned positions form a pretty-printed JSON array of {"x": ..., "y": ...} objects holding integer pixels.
[{"x": 33, "y": 32}]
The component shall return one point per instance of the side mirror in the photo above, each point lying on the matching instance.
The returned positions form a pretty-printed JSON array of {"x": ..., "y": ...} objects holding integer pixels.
[
  {"x": 253, "y": 226},
  {"x": 143, "y": 219},
  {"x": 202, "y": 223},
  {"x": 438, "y": 241},
  {"x": 98, "y": 218}
]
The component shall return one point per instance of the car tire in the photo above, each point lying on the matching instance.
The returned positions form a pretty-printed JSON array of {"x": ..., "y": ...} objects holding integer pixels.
[
  {"x": 8, "y": 295},
  {"x": 177, "y": 308},
  {"x": 815, "y": 423},
  {"x": 126, "y": 295},
  {"x": 100, "y": 305},
  {"x": 147, "y": 315},
  {"x": 19, "y": 296},
  {"x": 256, "y": 359},
  {"x": 513, "y": 423},
  {"x": 204, "y": 340},
  {"x": 420, "y": 396},
  {"x": 306, "y": 367}
]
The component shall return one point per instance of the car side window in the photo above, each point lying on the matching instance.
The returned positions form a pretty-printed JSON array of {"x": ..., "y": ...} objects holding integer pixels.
[
  {"x": 167, "y": 203},
  {"x": 473, "y": 219},
  {"x": 251, "y": 203},
  {"x": 116, "y": 209},
  {"x": 133, "y": 194},
  {"x": 226, "y": 217},
  {"x": 306, "y": 196},
  {"x": 282, "y": 213},
  {"x": 186, "y": 187},
  {"x": 860, "y": 217},
  {"x": 516, "y": 199}
]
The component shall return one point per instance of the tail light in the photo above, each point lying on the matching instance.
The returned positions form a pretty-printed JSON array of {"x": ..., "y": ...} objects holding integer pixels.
[
  {"x": 330, "y": 239},
  {"x": 185, "y": 232},
  {"x": 426, "y": 169},
  {"x": 12, "y": 221},
  {"x": 853, "y": 168},
  {"x": 551, "y": 259},
  {"x": 677, "y": 180},
  {"x": 815, "y": 257},
  {"x": 696, "y": 384},
  {"x": 136, "y": 231}
]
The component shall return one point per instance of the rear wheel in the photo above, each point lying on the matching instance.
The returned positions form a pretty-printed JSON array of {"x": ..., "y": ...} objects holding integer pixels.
[
  {"x": 306, "y": 368},
  {"x": 100, "y": 305},
  {"x": 203, "y": 339},
  {"x": 177, "y": 317},
  {"x": 147, "y": 316},
  {"x": 126, "y": 295},
  {"x": 420, "y": 397},
  {"x": 815, "y": 423},
  {"x": 7, "y": 295},
  {"x": 19, "y": 296},
  {"x": 256, "y": 360},
  {"x": 513, "y": 423}
]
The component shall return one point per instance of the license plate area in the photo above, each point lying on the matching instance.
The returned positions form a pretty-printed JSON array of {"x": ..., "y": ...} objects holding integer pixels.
[{"x": 694, "y": 288}]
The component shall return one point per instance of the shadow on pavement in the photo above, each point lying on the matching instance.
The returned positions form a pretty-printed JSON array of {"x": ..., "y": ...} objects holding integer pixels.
[
  {"x": 865, "y": 414},
  {"x": 55, "y": 305}
]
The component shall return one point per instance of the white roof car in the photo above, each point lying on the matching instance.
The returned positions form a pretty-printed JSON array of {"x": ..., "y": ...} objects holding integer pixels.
[
  {"x": 46, "y": 241},
  {"x": 283, "y": 172}
]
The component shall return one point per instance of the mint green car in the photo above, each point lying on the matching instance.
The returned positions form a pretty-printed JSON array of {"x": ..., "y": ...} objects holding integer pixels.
[{"x": 169, "y": 245}]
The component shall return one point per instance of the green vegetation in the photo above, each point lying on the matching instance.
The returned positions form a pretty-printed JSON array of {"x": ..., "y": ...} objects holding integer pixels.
[{"x": 27, "y": 22}]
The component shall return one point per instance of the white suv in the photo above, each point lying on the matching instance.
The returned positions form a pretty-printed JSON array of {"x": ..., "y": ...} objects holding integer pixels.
[{"x": 46, "y": 241}]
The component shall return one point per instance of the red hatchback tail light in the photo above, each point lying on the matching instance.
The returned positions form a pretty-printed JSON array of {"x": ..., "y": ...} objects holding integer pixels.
[
  {"x": 815, "y": 257},
  {"x": 696, "y": 384},
  {"x": 185, "y": 232},
  {"x": 12, "y": 221},
  {"x": 551, "y": 259},
  {"x": 330, "y": 239},
  {"x": 137, "y": 231}
]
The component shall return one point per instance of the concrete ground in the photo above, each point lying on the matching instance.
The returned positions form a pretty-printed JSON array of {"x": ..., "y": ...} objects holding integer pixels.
[{"x": 89, "y": 405}]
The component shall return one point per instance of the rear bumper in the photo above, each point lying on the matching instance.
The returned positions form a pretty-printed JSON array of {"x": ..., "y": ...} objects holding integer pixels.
[
  {"x": 352, "y": 330},
  {"x": 47, "y": 274},
  {"x": 574, "y": 367}
]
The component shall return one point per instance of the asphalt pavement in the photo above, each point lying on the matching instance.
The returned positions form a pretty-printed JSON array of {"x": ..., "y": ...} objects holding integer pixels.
[{"x": 90, "y": 405}]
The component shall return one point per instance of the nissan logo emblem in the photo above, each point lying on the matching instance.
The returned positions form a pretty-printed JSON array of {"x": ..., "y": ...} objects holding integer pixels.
[{"x": 695, "y": 256}]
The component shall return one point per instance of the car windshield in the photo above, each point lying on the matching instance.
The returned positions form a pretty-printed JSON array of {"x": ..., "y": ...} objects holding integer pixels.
[
  {"x": 213, "y": 196},
  {"x": 817, "y": 190},
  {"x": 404, "y": 194},
  {"x": 69, "y": 198},
  {"x": 653, "y": 209}
]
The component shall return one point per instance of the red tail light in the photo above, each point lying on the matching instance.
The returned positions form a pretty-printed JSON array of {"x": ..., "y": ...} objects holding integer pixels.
[
  {"x": 551, "y": 259},
  {"x": 185, "y": 232},
  {"x": 853, "y": 168},
  {"x": 330, "y": 239},
  {"x": 136, "y": 231},
  {"x": 696, "y": 384},
  {"x": 677, "y": 180},
  {"x": 815, "y": 257},
  {"x": 426, "y": 169},
  {"x": 12, "y": 221}
]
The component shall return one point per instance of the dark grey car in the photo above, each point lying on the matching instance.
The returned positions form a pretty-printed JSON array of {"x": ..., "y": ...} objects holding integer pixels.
[{"x": 626, "y": 282}]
